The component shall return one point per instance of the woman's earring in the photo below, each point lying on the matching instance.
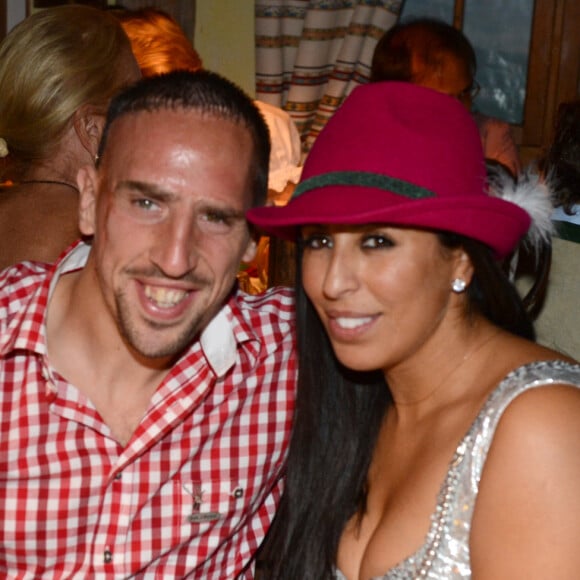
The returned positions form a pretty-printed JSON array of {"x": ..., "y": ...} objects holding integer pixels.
[{"x": 458, "y": 285}]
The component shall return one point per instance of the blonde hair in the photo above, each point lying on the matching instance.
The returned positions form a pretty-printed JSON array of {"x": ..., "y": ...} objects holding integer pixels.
[
  {"x": 159, "y": 43},
  {"x": 52, "y": 63}
]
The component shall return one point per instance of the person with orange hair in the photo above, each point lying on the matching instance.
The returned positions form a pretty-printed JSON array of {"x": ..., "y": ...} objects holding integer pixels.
[
  {"x": 433, "y": 54},
  {"x": 159, "y": 43}
]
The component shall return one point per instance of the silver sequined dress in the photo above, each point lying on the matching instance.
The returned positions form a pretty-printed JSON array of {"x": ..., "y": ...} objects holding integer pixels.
[{"x": 445, "y": 553}]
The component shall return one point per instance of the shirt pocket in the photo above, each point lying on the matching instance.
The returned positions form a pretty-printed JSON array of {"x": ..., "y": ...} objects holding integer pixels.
[{"x": 213, "y": 505}]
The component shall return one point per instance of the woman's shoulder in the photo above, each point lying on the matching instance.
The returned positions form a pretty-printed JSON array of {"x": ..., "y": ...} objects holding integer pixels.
[
  {"x": 528, "y": 492},
  {"x": 542, "y": 397},
  {"x": 528, "y": 400},
  {"x": 540, "y": 388},
  {"x": 534, "y": 384}
]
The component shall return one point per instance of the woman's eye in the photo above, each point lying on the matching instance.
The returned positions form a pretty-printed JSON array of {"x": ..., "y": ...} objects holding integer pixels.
[
  {"x": 316, "y": 241},
  {"x": 377, "y": 241}
]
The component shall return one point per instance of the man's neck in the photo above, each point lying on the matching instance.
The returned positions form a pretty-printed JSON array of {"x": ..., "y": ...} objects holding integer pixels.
[{"x": 85, "y": 348}]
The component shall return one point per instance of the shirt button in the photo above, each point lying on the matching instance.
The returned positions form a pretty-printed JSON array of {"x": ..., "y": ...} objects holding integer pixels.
[
  {"x": 238, "y": 492},
  {"x": 107, "y": 556},
  {"x": 118, "y": 475}
]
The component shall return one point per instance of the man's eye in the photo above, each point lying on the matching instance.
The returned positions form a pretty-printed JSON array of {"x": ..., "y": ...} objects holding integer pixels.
[
  {"x": 218, "y": 222},
  {"x": 145, "y": 204},
  {"x": 217, "y": 217}
]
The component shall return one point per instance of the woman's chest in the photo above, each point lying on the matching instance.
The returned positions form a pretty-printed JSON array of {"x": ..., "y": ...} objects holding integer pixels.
[{"x": 403, "y": 489}]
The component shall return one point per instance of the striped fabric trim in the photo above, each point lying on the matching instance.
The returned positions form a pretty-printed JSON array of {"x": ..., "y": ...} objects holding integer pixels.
[
  {"x": 364, "y": 179},
  {"x": 310, "y": 54}
]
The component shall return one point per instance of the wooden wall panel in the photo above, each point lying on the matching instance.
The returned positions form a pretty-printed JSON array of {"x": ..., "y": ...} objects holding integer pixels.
[
  {"x": 553, "y": 74},
  {"x": 569, "y": 69},
  {"x": 3, "y": 18}
]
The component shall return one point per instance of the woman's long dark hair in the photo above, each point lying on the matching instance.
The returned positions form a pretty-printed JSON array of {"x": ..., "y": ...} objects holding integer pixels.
[
  {"x": 338, "y": 416},
  {"x": 490, "y": 293}
]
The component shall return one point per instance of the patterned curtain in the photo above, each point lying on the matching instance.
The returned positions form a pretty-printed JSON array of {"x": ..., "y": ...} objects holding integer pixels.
[{"x": 311, "y": 53}]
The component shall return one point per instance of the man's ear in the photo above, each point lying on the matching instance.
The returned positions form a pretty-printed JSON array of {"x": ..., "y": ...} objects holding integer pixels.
[
  {"x": 88, "y": 122},
  {"x": 88, "y": 183}
]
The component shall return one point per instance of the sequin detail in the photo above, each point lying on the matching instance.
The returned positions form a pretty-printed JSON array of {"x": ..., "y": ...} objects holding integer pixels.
[{"x": 445, "y": 553}]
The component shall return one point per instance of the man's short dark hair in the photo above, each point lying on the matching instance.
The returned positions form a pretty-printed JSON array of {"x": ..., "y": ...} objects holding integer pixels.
[
  {"x": 428, "y": 39},
  {"x": 207, "y": 93}
]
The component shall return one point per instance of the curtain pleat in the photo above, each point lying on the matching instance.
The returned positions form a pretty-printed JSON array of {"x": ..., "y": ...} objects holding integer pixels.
[{"x": 311, "y": 53}]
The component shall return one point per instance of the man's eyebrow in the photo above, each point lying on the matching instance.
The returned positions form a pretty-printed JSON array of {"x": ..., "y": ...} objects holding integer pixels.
[{"x": 148, "y": 189}]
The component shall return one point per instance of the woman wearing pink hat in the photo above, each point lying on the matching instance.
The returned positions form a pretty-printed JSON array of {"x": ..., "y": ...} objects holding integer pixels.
[{"x": 433, "y": 438}]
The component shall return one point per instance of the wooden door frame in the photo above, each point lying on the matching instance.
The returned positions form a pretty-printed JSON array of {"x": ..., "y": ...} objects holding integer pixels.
[
  {"x": 3, "y": 18},
  {"x": 553, "y": 71}
]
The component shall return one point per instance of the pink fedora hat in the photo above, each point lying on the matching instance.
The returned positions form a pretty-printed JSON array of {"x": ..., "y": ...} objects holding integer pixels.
[{"x": 398, "y": 154}]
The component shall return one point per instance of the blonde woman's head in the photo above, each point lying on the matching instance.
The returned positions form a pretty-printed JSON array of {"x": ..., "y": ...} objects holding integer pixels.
[{"x": 52, "y": 64}]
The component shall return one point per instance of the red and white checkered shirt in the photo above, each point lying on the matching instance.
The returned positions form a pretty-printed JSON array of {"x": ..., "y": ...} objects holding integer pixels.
[{"x": 195, "y": 489}]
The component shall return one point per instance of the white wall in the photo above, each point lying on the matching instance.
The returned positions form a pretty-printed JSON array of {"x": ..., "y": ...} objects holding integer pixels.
[{"x": 224, "y": 38}]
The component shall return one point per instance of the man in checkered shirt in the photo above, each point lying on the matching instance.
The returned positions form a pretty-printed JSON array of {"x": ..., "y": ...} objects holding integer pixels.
[{"x": 145, "y": 402}]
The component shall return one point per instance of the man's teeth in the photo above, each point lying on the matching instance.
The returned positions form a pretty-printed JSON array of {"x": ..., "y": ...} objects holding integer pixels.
[
  {"x": 164, "y": 297},
  {"x": 352, "y": 322}
]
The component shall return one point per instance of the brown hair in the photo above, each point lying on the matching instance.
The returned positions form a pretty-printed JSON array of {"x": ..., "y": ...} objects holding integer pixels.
[{"x": 429, "y": 40}]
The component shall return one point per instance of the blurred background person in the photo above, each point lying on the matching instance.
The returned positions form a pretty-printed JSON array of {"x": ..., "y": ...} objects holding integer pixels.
[
  {"x": 59, "y": 68},
  {"x": 159, "y": 43},
  {"x": 434, "y": 54},
  {"x": 285, "y": 156},
  {"x": 268, "y": 269}
]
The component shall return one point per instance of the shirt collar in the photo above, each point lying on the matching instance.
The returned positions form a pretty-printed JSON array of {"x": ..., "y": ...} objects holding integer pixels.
[
  {"x": 23, "y": 332},
  {"x": 73, "y": 260},
  {"x": 219, "y": 343}
]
